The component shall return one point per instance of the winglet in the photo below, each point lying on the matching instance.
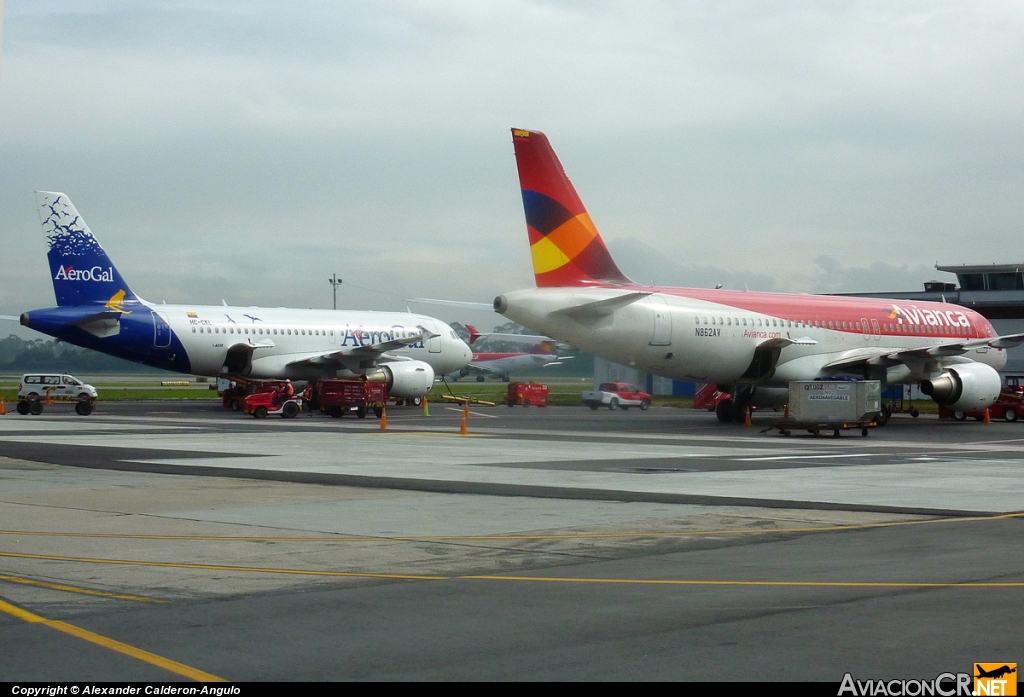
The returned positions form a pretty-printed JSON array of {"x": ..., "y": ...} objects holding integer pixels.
[{"x": 566, "y": 247}]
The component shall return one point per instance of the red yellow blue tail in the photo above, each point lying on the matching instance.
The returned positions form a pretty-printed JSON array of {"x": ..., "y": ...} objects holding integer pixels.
[{"x": 567, "y": 250}]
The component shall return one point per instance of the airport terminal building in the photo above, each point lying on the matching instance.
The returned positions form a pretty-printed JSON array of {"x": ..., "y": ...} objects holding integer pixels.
[{"x": 995, "y": 291}]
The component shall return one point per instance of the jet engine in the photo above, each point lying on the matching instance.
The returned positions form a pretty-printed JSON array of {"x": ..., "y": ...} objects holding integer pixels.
[
  {"x": 405, "y": 378},
  {"x": 965, "y": 387}
]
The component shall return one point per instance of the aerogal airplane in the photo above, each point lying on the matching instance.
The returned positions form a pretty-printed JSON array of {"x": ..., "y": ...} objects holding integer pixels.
[
  {"x": 750, "y": 344},
  {"x": 96, "y": 309}
]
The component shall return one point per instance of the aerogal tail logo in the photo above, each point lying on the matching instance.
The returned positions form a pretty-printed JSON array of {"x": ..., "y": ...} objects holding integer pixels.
[
  {"x": 116, "y": 302},
  {"x": 96, "y": 273}
]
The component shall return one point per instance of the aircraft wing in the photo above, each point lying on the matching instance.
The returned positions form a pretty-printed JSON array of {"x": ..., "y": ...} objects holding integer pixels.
[
  {"x": 372, "y": 352},
  {"x": 788, "y": 341},
  {"x": 915, "y": 357},
  {"x": 518, "y": 338}
]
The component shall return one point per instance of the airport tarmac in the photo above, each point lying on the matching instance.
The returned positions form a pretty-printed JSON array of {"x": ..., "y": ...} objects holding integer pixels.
[{"x": 177, "y": 541}]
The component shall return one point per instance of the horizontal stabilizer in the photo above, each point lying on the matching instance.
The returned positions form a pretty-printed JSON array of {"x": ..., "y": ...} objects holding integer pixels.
[
  {"x": 601, "y": 308},
  {"x": 453, "y": 303},
  {"x": 100, "y": 324}
]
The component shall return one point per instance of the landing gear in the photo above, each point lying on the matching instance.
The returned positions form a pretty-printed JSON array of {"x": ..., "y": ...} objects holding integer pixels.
[{"x": 723, "y": 410}]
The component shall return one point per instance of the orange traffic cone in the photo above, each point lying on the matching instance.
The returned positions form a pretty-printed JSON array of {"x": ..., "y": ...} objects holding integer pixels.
[
  {"x": 2, "y": 410},
  {"x": 746, "y": 419},
  {"x": 465, "y": 414},
  {"x": 426, "y": 411},
  {"x": 988, "y": 417},
  {"x": 785, "y": 414},
  {"x": 384, "y": 419},
  {"x": 48, "y": 402}
]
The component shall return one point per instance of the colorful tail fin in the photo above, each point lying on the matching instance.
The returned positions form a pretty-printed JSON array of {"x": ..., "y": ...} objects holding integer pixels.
[
  {"x": 473, "y": 334},
  {"x": 82, "y": 272},
  {"x": 566, "y": 247}
]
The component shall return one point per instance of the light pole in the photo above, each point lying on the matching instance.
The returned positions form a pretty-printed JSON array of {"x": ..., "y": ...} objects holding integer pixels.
[{"x": 335, "y": 282}]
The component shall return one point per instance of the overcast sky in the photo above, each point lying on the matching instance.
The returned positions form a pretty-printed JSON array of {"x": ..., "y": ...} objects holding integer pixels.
[{"x": 247, "y": 150}]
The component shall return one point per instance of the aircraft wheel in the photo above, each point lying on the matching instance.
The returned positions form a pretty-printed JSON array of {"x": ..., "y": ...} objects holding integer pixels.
[
  {"x": 644, "y": 404},
  {"x": 35, "y": 407},
  {"x": 723, "y": 410},
  {"x": 960, "y": 415},
  {"x": 1010, "y": 414},
  {"x": 613, "y": 404},
  {"x": 259, "y": 412},
  {"x": 23, "y": 407},
  {"x": 290, "y": 410},
  {"x": 479, "y": 378},
  {"x": 506, "y": 378},
  {"x": 83, "y": 408},
  {"x": 415, "y": 401}
]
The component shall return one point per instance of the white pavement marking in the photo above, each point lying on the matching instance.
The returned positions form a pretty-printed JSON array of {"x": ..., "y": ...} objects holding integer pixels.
[
  {"x": 961, "y": 484},
  {"x": 803, "y": 457}
]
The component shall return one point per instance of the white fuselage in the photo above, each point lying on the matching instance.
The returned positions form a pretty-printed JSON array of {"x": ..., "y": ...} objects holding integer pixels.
[
  {"x": 281, "y": 336},
  {"x": 712, "y": 335}
]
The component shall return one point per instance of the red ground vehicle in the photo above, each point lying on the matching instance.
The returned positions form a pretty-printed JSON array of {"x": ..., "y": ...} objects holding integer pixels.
[
  {"x": 261, "y": 404},
  {"x": 335, "y": 397},
  {"x": 616, "y": 395},
  {"x": 527, "y": 393},
  {"x": 708, "y": 397},
  {"x": 240, "y": 388}
]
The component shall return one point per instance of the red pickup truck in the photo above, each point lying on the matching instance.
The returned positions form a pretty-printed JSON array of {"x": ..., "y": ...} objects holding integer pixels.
[{"x": 616, "y": 395}]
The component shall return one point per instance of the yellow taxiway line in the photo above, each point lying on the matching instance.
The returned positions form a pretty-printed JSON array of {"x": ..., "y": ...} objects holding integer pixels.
[
  {"x": 112, "y": 644},
  {"x": 548, "y": 579},
  {"x": 77, "y": 589}
]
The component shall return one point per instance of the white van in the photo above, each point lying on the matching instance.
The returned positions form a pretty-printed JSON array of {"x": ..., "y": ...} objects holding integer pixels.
[{"x": 53, "y": 385}]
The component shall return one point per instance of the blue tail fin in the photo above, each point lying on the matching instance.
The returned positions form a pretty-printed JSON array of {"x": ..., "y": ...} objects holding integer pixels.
[{"x": 82, "y": 272}]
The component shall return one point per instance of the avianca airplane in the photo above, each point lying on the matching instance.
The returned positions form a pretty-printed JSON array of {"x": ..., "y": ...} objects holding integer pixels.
[
  {"x": 505, "y": 364},
  {"x": 96, "y": 309},
  {"x": 750, "y": 344}
]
